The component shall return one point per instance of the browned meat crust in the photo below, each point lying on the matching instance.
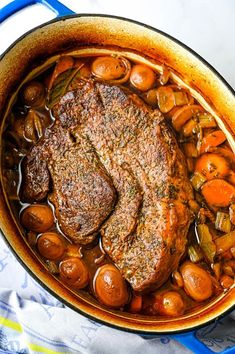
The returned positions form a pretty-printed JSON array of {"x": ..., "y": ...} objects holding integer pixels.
[
  {"x": 145, "y": 236},
  {"x": 82, "y": 193}
]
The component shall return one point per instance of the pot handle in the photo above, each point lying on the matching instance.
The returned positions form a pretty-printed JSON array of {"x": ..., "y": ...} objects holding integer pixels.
[
  {"x": 190, "y": 341},
  {"x": 57, "y": 7}
]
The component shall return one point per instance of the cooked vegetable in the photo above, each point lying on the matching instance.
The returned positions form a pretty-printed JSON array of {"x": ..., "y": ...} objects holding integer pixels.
[
  {"x": 226, "y": 153},
  {"x": 67, "y": 79},
  {"x": 195, "y": 253},
  {"x": 183, "y": 114},
  {"x": 228, "y": 270},
  {"x": 218, "y": 192},
  {"x": 34, "y": 126},
  {"x": 37, "y": 218},
  {"x": 227, "y": 255},
  {"x": 51, "y": 246},
  {"x": 113, "y": 69},
  {"x": 213, "y": 139},
  {"x": 165, "y": 75},
  {"x": 190, "y": 150},
  {"x": 177, "y": 279},
  {"x": 74, "y": 251},
  {"x": 199, "y": 137},
  {"x": 142, "y": 77},
  {"x": 232, "y": 250},
  {"x": 230, "y": 263},
  {"x": 222, "y": 222},
  {"x": 136, "y": 303},
  {"x": 232, "y": 213},
  {"x": 165, "y": 97},
  {"x": 52, "y": 267},
  {"x": 197, "y": 281},
  {"x": 225, "y": 242},
  {"x": 226, "y": 281},
  {"x": 59, "y": 87},
  {"x": 206, "y": 120},
  {"x": 170, "y": 303},
  {"x": 151, "y": 97},
  {"x": 189, "y": 128},
  {"x": 109, "y": 286},
  {"x": 65, "y": 63},
  {"x": 84, "y": 70},
  {"x": 197, "y": 180},
  {"x": 170, "y": 114},
  {"x": 180, "y": 98},
  {"x": 73, "y": 271},
  {"x": 217, "y": 270},
  {"x": 33, "y": 94},
  {"x": 18, "y": 127},
  {"x": 212, "y": 166},
  {"x": 80, "y": 260},
  {"x": 205, "y": 214},
  {"x": 205, "y": 241},
  {"x": 77, "y": 78}
]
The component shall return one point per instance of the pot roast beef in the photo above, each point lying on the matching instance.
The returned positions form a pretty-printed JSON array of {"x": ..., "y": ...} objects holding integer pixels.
[
  {"x": 82, "y": 193},
  {"x": 112, "y": 164}
]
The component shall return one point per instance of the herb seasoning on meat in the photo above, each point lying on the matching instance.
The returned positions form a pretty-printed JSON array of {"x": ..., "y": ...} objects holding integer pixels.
[{"x": 108, "y": 163}]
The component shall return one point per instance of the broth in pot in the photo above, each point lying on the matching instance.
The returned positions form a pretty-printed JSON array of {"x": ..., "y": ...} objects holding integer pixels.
[{"x": 123, "y": 183}]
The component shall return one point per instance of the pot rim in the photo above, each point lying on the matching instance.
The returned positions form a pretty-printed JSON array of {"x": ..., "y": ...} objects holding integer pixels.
[
  {"x": 26, "y": 266},
  {"x": 149, "y": 27},
  {"x": 93, "y": 318}
]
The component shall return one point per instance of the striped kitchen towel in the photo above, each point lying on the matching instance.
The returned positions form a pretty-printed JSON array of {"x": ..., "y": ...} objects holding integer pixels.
[{"x": 33, "y": 321}]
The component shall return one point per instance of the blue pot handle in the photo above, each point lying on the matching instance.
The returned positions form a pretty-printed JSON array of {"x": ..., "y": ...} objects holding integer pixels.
[
  {"x": 17, "y": 5},
  {"x": 190, "y": 341}
]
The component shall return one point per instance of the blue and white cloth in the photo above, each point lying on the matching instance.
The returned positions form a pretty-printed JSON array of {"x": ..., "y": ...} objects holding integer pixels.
[{"x": 33, "y": 321}]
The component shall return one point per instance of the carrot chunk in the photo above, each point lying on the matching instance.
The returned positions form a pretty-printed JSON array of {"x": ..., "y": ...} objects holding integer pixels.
[
  {"x": 215, "y": 138},
  {"x": 218, "y": 192},
  {"x": 212, "y": 166}
]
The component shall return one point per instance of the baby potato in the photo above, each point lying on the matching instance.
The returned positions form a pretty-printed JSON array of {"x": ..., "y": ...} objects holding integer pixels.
[
  {"x": 33, "y": 94},
  {"x": 110, "y": 287},
  {"x": 142, "y": 77},
  {"x": 197, "y": 282},
  {"x": 108, "y": 68},
  {"x": 73, "y": 271},
  {"x": 171, "y": 304},
  {"x": 37, "y": 217},
  {"x": 51, "y": 245}
]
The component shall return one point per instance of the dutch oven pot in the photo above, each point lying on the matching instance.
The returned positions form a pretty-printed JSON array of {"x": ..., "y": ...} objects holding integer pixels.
[{"x": 76, "y": 31}]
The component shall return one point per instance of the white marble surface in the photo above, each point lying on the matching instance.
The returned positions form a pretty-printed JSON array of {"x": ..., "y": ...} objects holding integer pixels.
[{"x": 207, "y": 26}]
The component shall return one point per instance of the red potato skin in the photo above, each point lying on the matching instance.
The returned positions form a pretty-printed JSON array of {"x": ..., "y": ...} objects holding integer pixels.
[
  {"x": 37, "y": 218},
  {"x": 110, "y": 288},
  {"x": 197, "y": 282},
  {"x": 51, "y": 245}
]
